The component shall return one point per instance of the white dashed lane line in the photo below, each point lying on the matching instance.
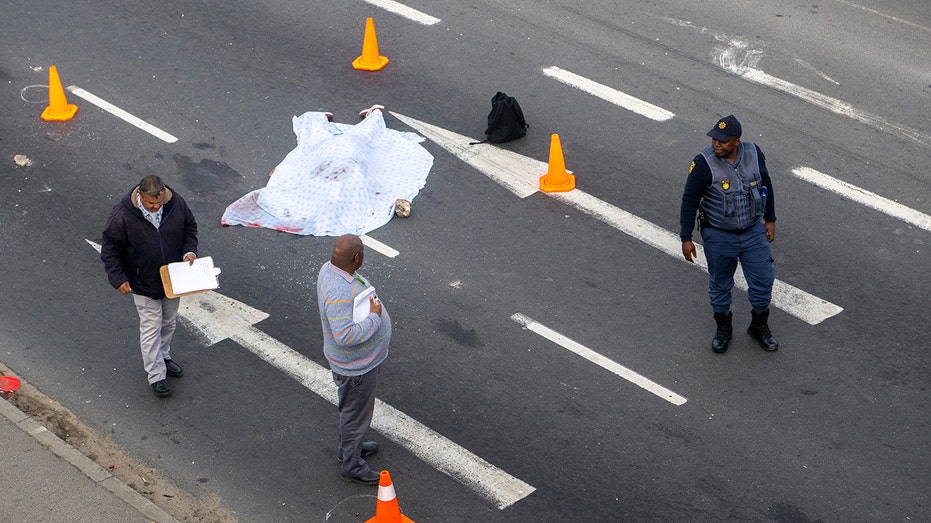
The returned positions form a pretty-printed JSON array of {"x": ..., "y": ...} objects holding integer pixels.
[
  {"x": 405, "y": 11},
  {"x": 123, "y": 115},
  {"x": 598, "y": 359},
  {"x": 864, "y": 197},
  {"x": 609, "y": 94}
]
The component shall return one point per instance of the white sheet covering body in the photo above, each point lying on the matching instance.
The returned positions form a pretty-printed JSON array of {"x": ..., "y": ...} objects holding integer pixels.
[{"x": 340, "y": 179}]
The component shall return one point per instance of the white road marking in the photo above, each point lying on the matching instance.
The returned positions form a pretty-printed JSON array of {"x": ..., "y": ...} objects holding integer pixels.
[
  {"x": 600, "y": 360},
  {"x": 217, "y": 317},
  {"x": 884, "y": 15},
  {"x": 739, "y": 58},
  {"x": 405, "y": 11},
  {"x": 521, "y": 175},
  {"x": 609, "y": 94},
  {"x": 517, "y": 173},
  {"x": 125, "y": 116},
  {"x": 376, "y": 245},
  {"x": 862, "y": 196}
]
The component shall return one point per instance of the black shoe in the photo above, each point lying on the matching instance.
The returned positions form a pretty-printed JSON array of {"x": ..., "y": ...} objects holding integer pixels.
[
  {"x": 725, "y": 329},
  {"x": 161, "y": 388},
  {"x": 759, "y": 330},
  {"x": 173, "y": 369},
  {"x": 368, "y": 448},
  {"x": 369, "y": 479}
]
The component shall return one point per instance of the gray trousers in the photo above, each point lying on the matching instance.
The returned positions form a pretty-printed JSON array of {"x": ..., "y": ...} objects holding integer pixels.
[
  {"x": 356, "y": 407},
  {"x": 157, "y": 320}
]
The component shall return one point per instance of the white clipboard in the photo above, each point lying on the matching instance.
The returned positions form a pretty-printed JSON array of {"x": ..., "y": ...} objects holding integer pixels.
[
  {"x": 361, "y": 306},
  {"x": 183, "y": 278}
]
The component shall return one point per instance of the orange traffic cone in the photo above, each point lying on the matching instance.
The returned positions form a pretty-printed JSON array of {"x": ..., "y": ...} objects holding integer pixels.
[
  {"x": 557, "y": 178},
  {"x": 370, "y": 59},
  {"x": 387, "y": 510},
  {"x": 58, "y": 110}
]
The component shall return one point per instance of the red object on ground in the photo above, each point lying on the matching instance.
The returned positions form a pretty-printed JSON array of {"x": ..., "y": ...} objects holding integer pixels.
[{"x": 9, "y": 384}]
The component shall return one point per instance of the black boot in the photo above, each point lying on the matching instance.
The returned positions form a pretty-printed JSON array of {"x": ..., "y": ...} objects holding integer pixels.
[
  {"x": 759, "y": 330},
  {"x": 725, "y": 329}
]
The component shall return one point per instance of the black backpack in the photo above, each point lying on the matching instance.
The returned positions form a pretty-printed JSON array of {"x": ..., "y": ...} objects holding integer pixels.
[{"x": 505, "y": 121}]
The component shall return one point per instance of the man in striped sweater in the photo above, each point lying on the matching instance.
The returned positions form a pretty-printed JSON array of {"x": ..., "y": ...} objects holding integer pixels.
[{"x": 354, "y": 351}]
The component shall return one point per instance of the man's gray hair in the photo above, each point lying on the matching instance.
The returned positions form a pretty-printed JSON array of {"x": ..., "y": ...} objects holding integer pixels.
[{"x": 151, "y": 185}]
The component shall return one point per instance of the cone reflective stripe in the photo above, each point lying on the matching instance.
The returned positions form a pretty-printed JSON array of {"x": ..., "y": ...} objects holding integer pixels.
[
  {"x": 557, "y": 178},
  {"x": 370, "y": 59},
  {"x": 387, "y": 510},
  {"x": 58, "y": 110}
]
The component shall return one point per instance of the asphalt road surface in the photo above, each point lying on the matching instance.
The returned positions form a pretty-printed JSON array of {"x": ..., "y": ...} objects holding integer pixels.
[{"x": 551, "y": 354}]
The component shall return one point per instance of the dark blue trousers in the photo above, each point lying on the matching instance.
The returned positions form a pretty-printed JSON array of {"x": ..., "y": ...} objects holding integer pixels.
[
  {"x": 723, "y": 250},
  {"x": 356, "y": 406}
]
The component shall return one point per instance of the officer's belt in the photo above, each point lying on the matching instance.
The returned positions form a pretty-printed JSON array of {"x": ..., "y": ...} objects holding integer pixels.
[{"x": 732, "y": 231}]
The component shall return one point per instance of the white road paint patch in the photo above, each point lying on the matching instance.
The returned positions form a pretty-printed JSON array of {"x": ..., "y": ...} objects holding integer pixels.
[
  {"x": 827, "y": 102},
  {"x": 883, "y": 15},
  {"x": 123, "y": 115},
  {"x": 405, "y": 11},
  {"x": 609, "y": 94},
  {"x": 521, "y": 176},
  {"x": 864, "y": 197},
  {"x": 376, "y": 245},
  {"x": 739, "y": 58},
  {"x": 810, "y": 67},
  {"x": 600, "y": 360}
]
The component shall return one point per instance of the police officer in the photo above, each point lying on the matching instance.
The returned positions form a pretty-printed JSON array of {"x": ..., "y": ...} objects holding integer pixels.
[{"x": 729, "y": 188}]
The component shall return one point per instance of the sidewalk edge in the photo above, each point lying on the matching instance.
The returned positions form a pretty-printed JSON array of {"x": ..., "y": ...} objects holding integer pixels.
[{"x": 94, "y": 471}]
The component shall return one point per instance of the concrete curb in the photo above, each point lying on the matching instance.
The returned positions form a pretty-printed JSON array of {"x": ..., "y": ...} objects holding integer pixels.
[{"x": 100, "y": 475}]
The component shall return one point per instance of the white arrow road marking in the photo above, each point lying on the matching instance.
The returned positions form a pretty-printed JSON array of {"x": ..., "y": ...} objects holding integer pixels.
[
  {"x": 598, "y": 359},
  {"x": 862, "y": 196},
  {"x": 218, "y": 317},
  {"x": 123, "y": 115},
  {"x": 517, "y": 173},
  {"x": 609, "y": 94},
  {"x": 521, "y": 175}
]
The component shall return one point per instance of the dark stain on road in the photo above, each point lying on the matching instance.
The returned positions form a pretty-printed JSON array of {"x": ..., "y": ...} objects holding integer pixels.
[
  {"x": 208, "y": 179},
  {"x": 457, "y": 332}
]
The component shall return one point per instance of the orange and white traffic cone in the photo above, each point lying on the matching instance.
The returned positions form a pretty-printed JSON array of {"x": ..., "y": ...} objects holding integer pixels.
[
  {"x": 387, "y": 510},
  {"x": 370, "y": 59},
  {"x": 557, "y": 178},
  {"x": 58, "y": 110}
]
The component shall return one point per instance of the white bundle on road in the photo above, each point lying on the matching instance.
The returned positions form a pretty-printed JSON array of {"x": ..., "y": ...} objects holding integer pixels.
[{"x": 340, "y": 179}]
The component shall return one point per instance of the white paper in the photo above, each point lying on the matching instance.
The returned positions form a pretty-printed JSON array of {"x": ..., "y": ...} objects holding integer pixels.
[
  {"x": 200, "y": 276},
  {"x": 361, "y": 306}
]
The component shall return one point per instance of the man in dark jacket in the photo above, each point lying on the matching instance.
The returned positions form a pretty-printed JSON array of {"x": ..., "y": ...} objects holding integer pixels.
[{"x": 150, "y": 227}]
